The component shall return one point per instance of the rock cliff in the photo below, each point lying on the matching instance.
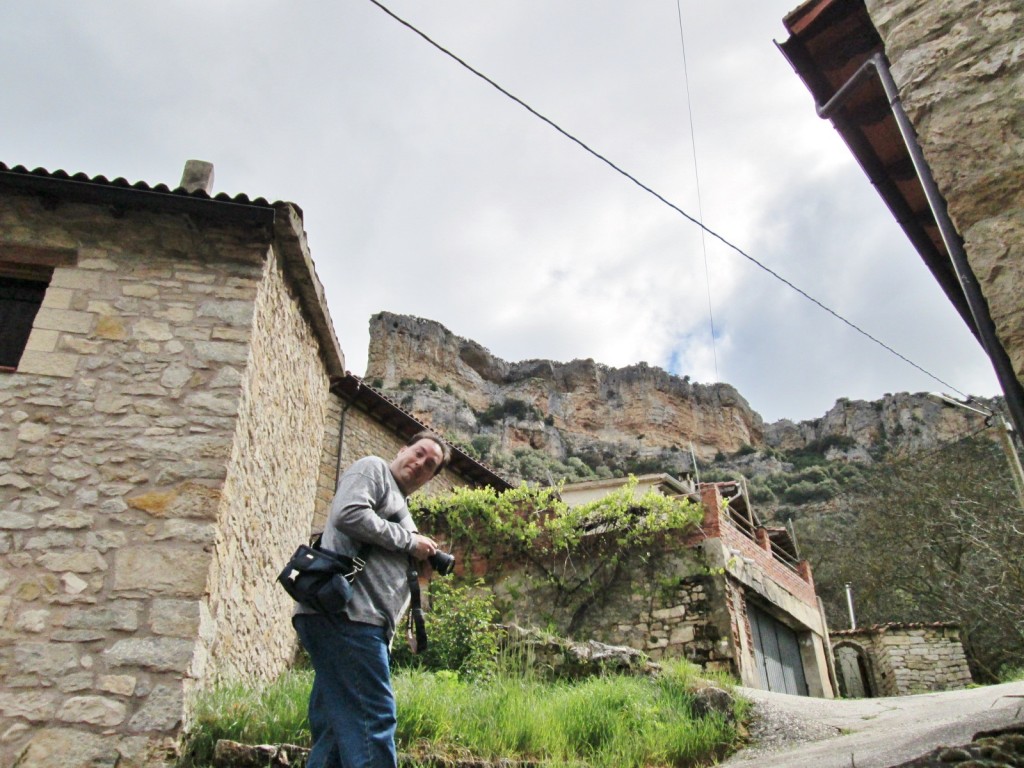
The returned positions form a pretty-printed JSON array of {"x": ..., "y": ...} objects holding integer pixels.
[{"x": 638, "y": 418}]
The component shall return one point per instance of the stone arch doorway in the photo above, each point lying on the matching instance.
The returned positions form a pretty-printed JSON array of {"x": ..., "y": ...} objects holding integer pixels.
[{"x": 853, "y": 671}]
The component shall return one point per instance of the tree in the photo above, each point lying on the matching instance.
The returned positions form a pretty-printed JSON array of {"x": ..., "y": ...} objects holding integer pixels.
[{"x": 938, "y": 537}]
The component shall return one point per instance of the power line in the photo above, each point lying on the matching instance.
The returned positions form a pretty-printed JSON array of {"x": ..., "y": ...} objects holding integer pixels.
[
  {"x": 660, "y": 197},
  {"x": 696, "y": 178}
]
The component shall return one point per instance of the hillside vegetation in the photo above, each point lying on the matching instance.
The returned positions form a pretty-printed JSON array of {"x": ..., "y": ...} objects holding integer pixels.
[{"x": 905, "y": 499}]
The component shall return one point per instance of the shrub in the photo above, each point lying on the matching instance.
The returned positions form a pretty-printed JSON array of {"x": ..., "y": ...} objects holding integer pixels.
[
  {"x": 804, "y": 491},
  {"x": 482, "y": 444},
  {"x": 510, "y": 408},
  {"x": 459, "y": 629}
]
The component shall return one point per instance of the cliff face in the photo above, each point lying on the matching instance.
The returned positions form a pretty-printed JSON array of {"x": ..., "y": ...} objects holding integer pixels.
[
  {"x": 575, "y": 405},
  {"x": 583, "y": 408}
]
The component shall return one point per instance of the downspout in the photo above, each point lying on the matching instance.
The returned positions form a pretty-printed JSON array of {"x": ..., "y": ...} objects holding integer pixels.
[
  {"x": 1012, "y": 390},
  {"x": 341, "y": 437}
]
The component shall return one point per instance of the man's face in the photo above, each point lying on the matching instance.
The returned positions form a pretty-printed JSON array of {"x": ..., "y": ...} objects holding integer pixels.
[{"x": 415, "y": 464}]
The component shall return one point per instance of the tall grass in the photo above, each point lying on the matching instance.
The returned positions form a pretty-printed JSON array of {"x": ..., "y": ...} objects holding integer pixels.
[
  {"x": 602, "y": 722},
  {"x": 262, "y": 714}
]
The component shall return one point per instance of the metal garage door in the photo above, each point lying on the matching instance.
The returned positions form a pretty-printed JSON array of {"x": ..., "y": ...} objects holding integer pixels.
[{"x": 777, "y": 653}]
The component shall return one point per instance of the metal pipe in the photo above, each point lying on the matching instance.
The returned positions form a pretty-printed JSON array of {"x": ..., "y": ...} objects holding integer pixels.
[
  {"x": 341, "y": 439},
  {"x": 1011, "y": 386},
  {"x": 849, "y": 603}
]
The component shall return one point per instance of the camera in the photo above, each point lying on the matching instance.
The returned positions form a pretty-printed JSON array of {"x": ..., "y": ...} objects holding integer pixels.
[{"x": 442, "y": 562}]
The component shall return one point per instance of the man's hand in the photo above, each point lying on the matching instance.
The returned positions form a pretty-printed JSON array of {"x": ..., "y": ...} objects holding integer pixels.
[{"x": 422, "y": 547}]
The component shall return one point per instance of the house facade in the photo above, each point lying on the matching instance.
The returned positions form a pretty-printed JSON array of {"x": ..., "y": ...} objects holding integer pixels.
[
  {"x": 732, "y": 595},
  {"x": 174, "y": 412}
]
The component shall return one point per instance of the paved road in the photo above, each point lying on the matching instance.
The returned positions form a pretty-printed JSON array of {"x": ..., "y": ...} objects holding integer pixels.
[{"x": 879, "y": 733}]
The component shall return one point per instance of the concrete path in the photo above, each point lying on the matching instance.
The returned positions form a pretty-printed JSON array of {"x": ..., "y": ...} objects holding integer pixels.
[{"x": 879, "y": 733}]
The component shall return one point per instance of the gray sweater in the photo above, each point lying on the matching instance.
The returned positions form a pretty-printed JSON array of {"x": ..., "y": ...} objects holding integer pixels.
[{"x": 369, "y": 507}]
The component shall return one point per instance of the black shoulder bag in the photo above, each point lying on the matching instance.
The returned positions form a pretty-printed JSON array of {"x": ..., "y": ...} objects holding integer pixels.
[{"x": 320, "y": 578}]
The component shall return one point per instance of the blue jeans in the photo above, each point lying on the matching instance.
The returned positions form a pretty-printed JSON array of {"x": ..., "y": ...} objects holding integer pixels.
[{"x": 352, "y": 713}]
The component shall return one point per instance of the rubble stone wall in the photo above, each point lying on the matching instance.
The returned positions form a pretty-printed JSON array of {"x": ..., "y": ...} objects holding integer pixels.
[
  {"x": 960, "y": 71},
  {"x": 910, "y": 659},
  {"x": 116, "y": 434},
  {"x": 270, "y": 491},
  {"x": 667, "y": 607}
]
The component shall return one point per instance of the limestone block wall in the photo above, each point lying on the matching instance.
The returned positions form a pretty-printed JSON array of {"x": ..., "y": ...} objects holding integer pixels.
[
  {"x": 960, "y": 70},
  {"x": 923, "y": 659},
  {"x": 906, "y": 659},
  {"x": 270, "y": 490},
  {"x": 115, "y": 438}
]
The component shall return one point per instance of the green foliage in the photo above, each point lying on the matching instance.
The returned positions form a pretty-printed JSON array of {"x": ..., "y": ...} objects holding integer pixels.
[
  {"x": 760, "y": 493},
  {"x": 931, "y": 538},
  {"x": 1011, "y": 674},
  {"x": 533, "y": 525},
  {"x": 643, "y": 465},
  {"x": 601, "y": 722},
  {"x": 511, "y": 408},
  {"x": 539, "y": 466},
  {"x": 482, "y": 444},
  {"x": 805, "y": 491},
  {"x": 460, "y": 632},
  {"x": 260, "y": 714},
  {"x": 814, "y": 452}
]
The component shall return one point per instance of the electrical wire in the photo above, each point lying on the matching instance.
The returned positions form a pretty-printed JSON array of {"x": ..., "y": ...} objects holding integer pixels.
[
  {"x": 696, "y": 178},
  {"x": 658, "y": 196}
]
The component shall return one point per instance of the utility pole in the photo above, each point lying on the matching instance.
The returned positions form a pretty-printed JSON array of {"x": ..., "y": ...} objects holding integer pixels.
[{"x": 1003, "y": 428}]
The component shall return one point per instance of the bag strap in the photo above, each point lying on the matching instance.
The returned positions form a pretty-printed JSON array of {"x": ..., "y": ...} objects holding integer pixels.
[
  {"x": 359, "y": 557},
  {"x": 417, "y": 640}
]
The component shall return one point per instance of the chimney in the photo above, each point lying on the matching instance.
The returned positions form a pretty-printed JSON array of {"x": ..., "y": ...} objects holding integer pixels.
[{"x": 198, "y": 175}]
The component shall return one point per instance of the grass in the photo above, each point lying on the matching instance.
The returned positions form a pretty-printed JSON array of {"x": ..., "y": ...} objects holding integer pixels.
[
  {"x": 601, "y": 722},
  {"x": 1011, "y": 674}
]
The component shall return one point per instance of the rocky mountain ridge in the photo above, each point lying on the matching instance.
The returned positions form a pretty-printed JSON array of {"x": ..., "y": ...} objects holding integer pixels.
[{"x": 637, "y": 418}]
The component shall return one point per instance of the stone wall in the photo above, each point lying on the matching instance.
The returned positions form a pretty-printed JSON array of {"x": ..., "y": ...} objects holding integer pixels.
[
  {"x": 270, "y": 490},
  {"x": 120, "y": 452},
  {"x": 959, "y": 67},
  {"x": 664, "y": 606},
  {"x": 905, "y": 659}
]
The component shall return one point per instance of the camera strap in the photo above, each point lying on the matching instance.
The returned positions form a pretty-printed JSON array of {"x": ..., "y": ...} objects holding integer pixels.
[{"x": 418, "y": 639}]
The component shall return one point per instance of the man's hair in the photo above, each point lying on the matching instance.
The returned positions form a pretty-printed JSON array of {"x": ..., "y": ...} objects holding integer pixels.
[{"x": 446, "y": 450}]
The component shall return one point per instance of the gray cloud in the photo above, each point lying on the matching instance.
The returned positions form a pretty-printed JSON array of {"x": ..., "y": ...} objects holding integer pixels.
[{"x": 426, "y": 192}]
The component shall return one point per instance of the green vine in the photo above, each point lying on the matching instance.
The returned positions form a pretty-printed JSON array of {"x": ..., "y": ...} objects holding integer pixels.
[{"x": 578, "y": 550}]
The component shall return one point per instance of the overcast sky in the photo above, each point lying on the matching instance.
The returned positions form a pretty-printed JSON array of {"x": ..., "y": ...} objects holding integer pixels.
[{"x": 427, "y": 192}]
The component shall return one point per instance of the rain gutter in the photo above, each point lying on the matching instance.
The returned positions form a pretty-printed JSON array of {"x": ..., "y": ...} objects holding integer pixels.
[{"x": 1011, "y": 386}]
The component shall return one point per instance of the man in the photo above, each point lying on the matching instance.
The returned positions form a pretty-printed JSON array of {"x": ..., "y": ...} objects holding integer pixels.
[{"x": 352, "y": 707}]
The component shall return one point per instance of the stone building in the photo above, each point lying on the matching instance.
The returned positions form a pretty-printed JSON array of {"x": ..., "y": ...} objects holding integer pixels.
[
  {"x": 174, "y": 410},
  {"x": 899, "y": 660},
  {"x": 733, "y": 595},
  {"x": 952, "y": 171}
]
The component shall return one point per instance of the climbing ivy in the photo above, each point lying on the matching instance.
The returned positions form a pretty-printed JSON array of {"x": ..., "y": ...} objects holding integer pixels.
[{"x": 578, "y": 549}]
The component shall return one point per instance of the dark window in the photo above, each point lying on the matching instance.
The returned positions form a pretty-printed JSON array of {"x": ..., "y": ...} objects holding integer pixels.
[{"x": 19, "y": 302}]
